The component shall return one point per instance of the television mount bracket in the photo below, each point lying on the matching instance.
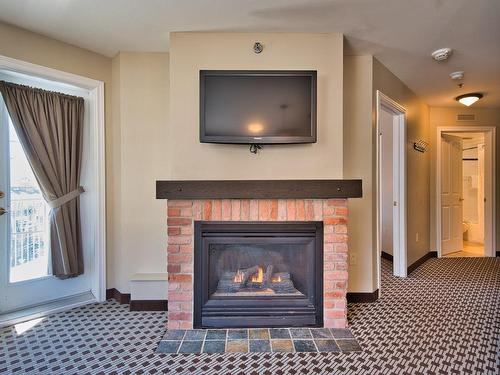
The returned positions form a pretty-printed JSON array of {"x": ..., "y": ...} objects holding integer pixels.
[{"x": 254, "y": 148}]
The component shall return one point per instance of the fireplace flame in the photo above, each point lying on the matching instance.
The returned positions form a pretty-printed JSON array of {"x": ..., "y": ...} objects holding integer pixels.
[
  {"x": 238, "y": 278},
  {"x": 258, "y": 277}
]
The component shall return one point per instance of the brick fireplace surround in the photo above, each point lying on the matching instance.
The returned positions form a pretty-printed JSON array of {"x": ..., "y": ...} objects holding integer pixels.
[{"x": 181, "y": 215}]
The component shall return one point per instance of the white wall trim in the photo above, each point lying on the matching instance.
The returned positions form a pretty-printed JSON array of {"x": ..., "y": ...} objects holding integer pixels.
[
  {"x": 490, "y": 217},
  {"x": 97, "y": 125},
  {"x": 399, "y": 214},
  {"x": 41, "y": 71}
]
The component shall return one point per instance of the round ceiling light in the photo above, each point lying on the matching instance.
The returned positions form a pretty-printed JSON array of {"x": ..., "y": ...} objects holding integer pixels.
[{"x": 469, "y": 99}]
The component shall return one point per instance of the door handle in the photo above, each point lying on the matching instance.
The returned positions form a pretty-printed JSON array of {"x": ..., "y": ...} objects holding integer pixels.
[
  {"x": 2, "y": 211},
  {"x": 460, "y": 199},
  {"x": 2, "y": 194}
]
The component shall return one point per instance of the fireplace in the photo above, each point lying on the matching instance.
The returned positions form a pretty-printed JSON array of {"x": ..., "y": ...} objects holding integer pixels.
[
  {"x": 194, "y": 299},
  {"x": 258, "y": 274}
]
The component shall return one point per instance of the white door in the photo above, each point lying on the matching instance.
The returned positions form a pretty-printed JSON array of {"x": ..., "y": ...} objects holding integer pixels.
[
  {"x": 451, "y": 194},
  {"x": 391, "y": 183},
  {"x": 25, "y": 275}
]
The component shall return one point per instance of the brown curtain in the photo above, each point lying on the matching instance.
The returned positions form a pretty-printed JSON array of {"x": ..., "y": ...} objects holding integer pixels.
[{"x": 50, "y": 128}]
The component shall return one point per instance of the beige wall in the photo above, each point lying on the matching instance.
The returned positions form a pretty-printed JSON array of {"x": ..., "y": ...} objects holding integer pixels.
[
  {"x": 417, "y": 164},
  {"x": 27, "y": 46},
  {"x": 113, "y": 178},
  {"x": 143, "y": 145},
  {"x": 140, "y": 110},
  {"x": 441, "y": 116},
  {"x": 363, "y": 76},
  {"x": 190, "y": 52},
  {"x": 136, "y": 133},
  {"x": 358, "y": 76}
]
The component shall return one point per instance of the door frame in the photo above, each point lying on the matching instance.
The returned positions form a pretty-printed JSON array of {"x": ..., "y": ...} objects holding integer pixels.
[
  {"x": 97, "y": 148},
  {"x": 399, "y": 183},
  {"x": 489, "y": 191}
]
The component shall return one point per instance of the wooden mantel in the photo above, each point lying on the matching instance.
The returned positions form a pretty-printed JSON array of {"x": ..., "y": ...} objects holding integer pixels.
[{"x": 258, "y": 189}]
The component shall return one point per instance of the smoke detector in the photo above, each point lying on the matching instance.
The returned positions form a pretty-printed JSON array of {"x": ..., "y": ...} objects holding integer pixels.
[
  {"x": 457, "y": 76},
  {"x": 441, "y": 54}
]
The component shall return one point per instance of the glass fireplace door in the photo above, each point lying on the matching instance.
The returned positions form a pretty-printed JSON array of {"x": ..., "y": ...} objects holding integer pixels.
[
  {"x": 263, "y": 267},
  {"x": 258, "y": 274}
]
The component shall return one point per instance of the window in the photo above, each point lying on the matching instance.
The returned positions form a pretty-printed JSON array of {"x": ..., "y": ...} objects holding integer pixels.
[{"x": 29, "y": 230}]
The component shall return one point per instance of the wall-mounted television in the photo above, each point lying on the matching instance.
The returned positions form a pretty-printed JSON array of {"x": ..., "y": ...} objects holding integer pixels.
[{"x": 258, "y": 106}]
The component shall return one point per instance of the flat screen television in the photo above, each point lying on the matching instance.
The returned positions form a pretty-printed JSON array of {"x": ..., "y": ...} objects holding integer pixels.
[{"x": 257, "y": 107}]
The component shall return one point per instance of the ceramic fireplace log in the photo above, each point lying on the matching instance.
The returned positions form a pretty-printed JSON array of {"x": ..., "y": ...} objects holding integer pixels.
[
  {"x": 249, "y": 272},
  {"x": 268, "y": 276},
  {"x": 228, "y": 284},
  {"x": 285, "y": 285}
]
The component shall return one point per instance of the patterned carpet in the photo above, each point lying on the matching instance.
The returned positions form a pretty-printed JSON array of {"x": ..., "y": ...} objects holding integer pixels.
[{"x": 443, "y": 319}]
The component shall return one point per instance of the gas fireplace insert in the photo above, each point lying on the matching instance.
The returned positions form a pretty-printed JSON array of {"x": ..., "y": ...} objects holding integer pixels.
[{"x": 258, "y": 274}]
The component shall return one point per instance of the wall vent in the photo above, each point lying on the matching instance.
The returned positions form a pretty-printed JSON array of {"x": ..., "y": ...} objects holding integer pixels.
[{"x": 466, "y": 117}]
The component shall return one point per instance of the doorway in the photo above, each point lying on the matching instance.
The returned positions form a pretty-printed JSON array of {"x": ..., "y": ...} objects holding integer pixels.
[
  {"x": 27, "y": 287},
  {"x": 391, "y": 184},
  {"x": 465, "y": 192}
]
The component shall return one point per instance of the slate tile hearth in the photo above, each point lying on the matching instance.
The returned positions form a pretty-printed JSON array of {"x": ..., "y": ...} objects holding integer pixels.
[
  {"x": 214, "y": 334},
  {"x": 282, "y": 346},
  {"x": 304, "y": 346},
  {"x": 260, "y": 346},
  {"x": 215, "y": 346},
  {"x": 169, "y": 346},
  {"x": 191, "y": 347},
  {"x": 301, "y": 333},
  {"x": 279, "y": 333},
  {"x": 340, "y": 333},
  {"x": 322, "y": 333},
  {"x": 258, "y": 334},
  {"x": 195, "y": 334},
  {"x": 237, "y": 334},
  {"x": 258, "y": 340},
  {"x": 327, "y": 346},
  {"x": 237, "y": 346}
]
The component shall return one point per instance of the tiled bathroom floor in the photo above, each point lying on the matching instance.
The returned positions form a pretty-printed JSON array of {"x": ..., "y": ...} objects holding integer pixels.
[{"x": 471, "y": 249}]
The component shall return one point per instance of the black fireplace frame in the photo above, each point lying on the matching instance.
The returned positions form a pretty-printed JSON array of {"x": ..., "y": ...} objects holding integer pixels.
[{"x": 256, "y": 312}]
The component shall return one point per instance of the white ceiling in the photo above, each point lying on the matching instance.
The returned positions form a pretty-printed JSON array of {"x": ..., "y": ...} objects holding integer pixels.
[{"x": 400, "y": 33}]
